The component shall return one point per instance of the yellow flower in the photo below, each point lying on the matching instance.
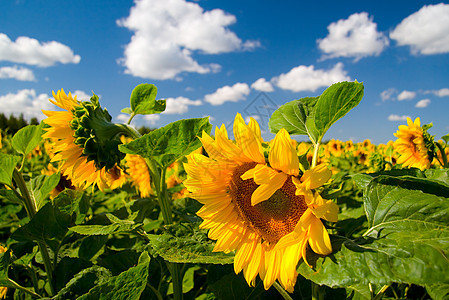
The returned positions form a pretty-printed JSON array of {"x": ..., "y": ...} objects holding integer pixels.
[
  {"x": 84, "y": 139},
  {"x": 261, "y": 208},
  {"x": 3, "y": 289},
  {"x": 138, "y": 172},
  {"x": 411, "y": 145}
]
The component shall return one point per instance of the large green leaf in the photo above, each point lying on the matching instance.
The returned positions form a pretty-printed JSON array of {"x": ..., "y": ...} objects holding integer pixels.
[
  {"x": 116, "y": 227},
  {"x": 27, "y": 138},
  {"x": 407, "y": 240},
  {"x": 7, "y": 164},
  {"x": 41, "y": 186},
  {"x": 185, "y": 243},
  {"x": 296, "y": 117},
  {"x": 143, "y": 100},
  {"x": 49, "y": 226},
  {"x": 169, "y": 143},
  {"x": 335, "y": 102},
  {"x": 127, "y": 285}
]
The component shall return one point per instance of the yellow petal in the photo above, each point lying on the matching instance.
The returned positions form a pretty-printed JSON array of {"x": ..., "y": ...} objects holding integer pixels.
[
  {"x": 283, "y": 154},
  {"x": 319, "y": 238},
  {"x": 248, "y": 141},
  {"x": 328, "y": 211},
  {"x": 266, "y": 190},
  {"x": 316, "y": 176}
]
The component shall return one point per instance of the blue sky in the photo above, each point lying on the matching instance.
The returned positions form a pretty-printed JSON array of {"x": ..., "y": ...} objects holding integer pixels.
[{"x": 217, "y": 58}]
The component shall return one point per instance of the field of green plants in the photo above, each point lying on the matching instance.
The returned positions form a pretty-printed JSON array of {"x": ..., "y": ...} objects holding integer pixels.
[{"x": 91, "y": 209}]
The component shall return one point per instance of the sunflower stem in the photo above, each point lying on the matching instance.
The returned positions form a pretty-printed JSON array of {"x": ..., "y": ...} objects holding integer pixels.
[
  {"x": 31, "y": 208},
  {"x": 281, "y": 291},
  {"x": 317, "y": 291},
  {"x": 443, "y": 155},
  {"x": 315, "y": 153}
]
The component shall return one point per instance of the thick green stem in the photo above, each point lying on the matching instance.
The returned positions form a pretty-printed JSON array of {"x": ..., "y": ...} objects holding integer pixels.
[
  {"x": 443, "y": 155},
  {"x": 317, "y": 291},
  {"x": 315, "y": 153},
  {"x": 31, "y": 208}
]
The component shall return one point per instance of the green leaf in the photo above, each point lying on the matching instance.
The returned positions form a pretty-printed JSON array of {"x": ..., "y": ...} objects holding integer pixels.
[
  {"x": 187, "y": 281},
  {"x": 49, "y": 226},
  {"x": 169, "y": 143},
  {"x": 91, "y": 245},
  {"x": 297, "y": 117},
  {"x": 143, "y": 100},
  {"x": 7, "y": 164},
  {"x": 185, "y": 243},
  {"x": 438, "y": 291},
  {"x": 82, "y": 282},
  {"x": 335, "y": 102},
  {"x": 128, "y": 285},
  {"x": 407, "y": 240},
  {"x": 116, "y": 227},
  {"x": 27, "y": 138},
  {"x": 127, "y": 110},
  {"x": 67, "y": 268},
  {"x": 41, "y": 186}
]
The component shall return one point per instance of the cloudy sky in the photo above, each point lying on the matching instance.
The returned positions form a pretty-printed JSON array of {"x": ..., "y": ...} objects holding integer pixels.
[{"x": 217, "y": 58}]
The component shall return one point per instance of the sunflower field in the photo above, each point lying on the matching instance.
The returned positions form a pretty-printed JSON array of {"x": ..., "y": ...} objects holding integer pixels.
[{"x": 92, "y": 209}]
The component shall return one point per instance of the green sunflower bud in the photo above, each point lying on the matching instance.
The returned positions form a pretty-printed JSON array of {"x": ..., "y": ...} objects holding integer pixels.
[
  {"x": 97, "y": 135},
  {"x": 429, "y": 141}
]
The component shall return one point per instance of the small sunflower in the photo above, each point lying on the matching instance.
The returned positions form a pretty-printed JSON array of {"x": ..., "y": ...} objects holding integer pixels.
[
  {"x": 414, "y": 145},
  {"x": 85, "y": 141},
  {"x": 260, "y": 205},
  {"x": 139, "y": 174}
]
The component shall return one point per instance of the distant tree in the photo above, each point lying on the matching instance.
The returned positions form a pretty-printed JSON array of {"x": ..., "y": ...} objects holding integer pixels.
[{"x": 13, "y": 124}]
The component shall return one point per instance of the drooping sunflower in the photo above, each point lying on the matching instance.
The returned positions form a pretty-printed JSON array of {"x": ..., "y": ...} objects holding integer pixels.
[
  {"x": 260, "y": 206},
  {"x": 84, "y": 140},
  {"x": 414, "y": 145},
  {"x": 139, "y": 174}
]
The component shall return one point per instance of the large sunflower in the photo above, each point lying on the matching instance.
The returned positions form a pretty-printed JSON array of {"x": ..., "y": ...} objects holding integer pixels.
[
  {"x": 260, "y": 206},
  {"x": 412, "y": 145},
  {"x": 77, "y": 133}
]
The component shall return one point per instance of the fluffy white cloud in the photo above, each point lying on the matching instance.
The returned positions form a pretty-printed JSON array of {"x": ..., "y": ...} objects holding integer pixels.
[
  {"x": 18, "y": 73},
  {"x": 425, "y": 31},
  {"x": 262, "y": 85},
  {"x": 356, "y": 37},
  {"x": 180, "y": 105},
  {"x": 388, "y": 94},
  {"x": 234, "y": 93},
  {"x": 30, "y": 51},
  {"x": 306, "y": 78},
  {"x": 82, "y": 96},
  {"x": 422, "y": 103},
  {"x": 152, "y": 119},
  {"x": 406, "y": 95},
  {"x": 122, "y": 118},
  {"x": 26, "y": 102},
  {"x": 441, "y": 92},
  {"x": 166, "y": 33},
  {"x": 394, "y": 117}
]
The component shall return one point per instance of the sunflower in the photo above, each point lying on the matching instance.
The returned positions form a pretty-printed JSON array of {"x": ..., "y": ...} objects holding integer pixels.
[
  {"x": 413, "y": 145},
  {"x": 84, "y": 140},
  {"x": 257, "y": 203},
  {"x": 139, "y": 174}
]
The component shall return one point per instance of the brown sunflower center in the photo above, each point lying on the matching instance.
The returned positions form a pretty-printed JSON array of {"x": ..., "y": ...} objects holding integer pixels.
[{"x": 272, "y": 218}]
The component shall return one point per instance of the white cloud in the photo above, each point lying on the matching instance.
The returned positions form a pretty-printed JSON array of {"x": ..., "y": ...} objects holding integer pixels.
[
  {"x": 168, "y": 33},
  {"x": 30, "y": 51},
  {"x": 234, "y": 93},
  {"x": 180, "y": 105},
  {"x": 122, "y": 117},
  {"x": 356, "y": 37},
  {"x": 394, "y": 117},
  {"x": 82, "y": 96},
  {"x": 422, "y": 103},
  {"x": 441, "y": 92},
  {"x": 152, "y": 119},
  {"x": 388, "y": 94},
  {"x": 255, "y": 117},
  {"x": 262, "y": 85},
  {"x": 18, "y": 73},
  {"x": 306, "y": 78},
  {"x": 26, "y": 102},
  {"x": 425, "y": 31},
  {"x": 406, "y": 95}
]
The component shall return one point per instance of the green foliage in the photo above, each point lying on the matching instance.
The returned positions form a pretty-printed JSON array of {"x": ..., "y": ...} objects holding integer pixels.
[
  {"x": 185, "y": 243},
  {"x": 7, "y": 164},
  {"x": 313, "y": 116},
  {"x": 27, "y": 138},
  {"x": 169, "y": 143},
  {"x": 407, "y": 240},
  {"x": 143, "y": 101}
]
